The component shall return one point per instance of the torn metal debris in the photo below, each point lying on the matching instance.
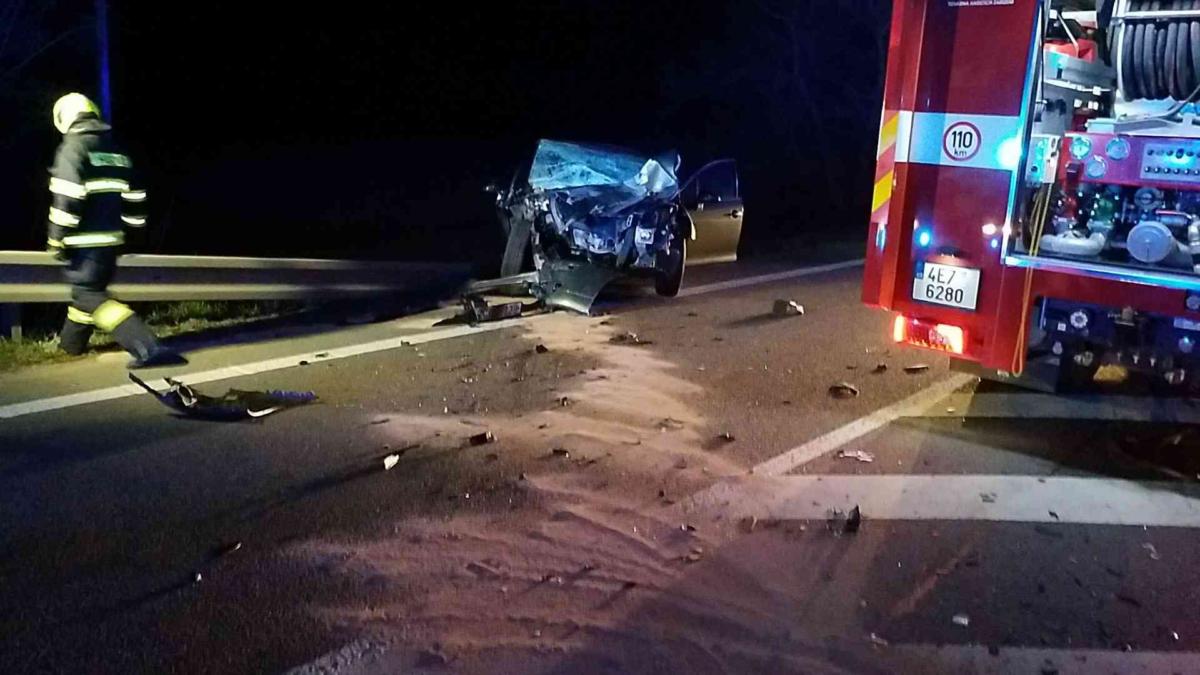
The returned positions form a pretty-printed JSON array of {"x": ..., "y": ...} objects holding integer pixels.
[
  {"x": 860, "y": 455},
  {"x": 787, "y": 308},
  {"x": 843, "y": 390},
  {"x": 483, "y": 438},
  {"x": 476, "y": 309},
  {"x": 232, "y": 406}
]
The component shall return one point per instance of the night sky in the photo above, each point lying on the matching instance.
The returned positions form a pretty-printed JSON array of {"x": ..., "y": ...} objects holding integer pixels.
[{"x": 356, "y": 131}]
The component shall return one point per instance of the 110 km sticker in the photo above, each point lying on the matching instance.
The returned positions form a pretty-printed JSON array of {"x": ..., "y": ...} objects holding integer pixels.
[{"x": 962, "y": 141}]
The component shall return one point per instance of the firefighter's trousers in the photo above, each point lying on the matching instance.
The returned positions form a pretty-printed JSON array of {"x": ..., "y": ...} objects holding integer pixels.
[{"x": 89, "y": 272}]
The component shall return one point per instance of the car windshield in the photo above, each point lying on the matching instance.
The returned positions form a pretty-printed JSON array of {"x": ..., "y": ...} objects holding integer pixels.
[{"x": 559, "y": 165}]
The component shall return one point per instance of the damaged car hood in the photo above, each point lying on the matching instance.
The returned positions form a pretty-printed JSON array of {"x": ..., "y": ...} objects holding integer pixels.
[{"x": 591, "y": 213}]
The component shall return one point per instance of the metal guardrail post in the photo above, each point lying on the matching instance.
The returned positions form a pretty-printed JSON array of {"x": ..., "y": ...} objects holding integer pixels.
[{"x": 10, "y": 321}]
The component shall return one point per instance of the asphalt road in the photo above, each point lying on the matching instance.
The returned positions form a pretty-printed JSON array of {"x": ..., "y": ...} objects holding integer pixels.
[{"x": 666, "y": 504}]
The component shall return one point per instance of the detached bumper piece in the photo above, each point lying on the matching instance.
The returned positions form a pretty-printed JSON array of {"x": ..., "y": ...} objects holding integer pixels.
[{"x": 233, "y": 406}]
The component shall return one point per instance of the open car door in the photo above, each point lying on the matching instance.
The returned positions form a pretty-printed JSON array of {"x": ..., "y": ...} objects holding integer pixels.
[{"x": 713, "y": 199}]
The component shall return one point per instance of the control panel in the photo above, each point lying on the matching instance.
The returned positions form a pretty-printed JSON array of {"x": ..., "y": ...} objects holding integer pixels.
[
  {"x": 1173, "y": 160},
  {"x": 1138, "y": 161}
]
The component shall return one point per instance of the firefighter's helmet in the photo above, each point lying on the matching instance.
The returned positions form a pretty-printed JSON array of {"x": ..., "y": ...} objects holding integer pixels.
[{"x": 68, "y": 109}]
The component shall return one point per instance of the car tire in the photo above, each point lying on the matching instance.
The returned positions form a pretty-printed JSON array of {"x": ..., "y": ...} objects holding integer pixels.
[{"x": 670, "y": 279}]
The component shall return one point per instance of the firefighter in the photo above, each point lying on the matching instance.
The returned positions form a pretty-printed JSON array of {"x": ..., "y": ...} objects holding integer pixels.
[{"x": 93, "y": 202}]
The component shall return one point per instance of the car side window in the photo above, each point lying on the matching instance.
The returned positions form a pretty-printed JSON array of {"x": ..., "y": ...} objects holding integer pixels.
[{"x": 718, "y": 183}]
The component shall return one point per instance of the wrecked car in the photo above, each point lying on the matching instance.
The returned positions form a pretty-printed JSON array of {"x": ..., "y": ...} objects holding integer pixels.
[{"x": 584, "y": 215}]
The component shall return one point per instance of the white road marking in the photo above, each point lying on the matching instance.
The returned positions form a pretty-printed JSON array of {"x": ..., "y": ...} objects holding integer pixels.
[
  {"x": 913, "y": 406},
  {"x": 122, "y": 391},
  {"x": 95, "y": 396},
  {"x": 976, "y": 660},
  {"x": 768, "y": 278},
  {"x": 1029, "y": 499}
]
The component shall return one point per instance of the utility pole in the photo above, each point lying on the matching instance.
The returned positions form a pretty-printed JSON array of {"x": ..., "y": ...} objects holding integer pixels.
[{"x": 102, "y": 59}]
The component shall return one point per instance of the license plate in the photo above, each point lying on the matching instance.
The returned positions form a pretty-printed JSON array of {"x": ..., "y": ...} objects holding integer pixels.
[{"x": 946, "y": 285}]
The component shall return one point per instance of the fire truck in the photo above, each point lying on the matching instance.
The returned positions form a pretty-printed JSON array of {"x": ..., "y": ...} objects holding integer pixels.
[{"x": 1036, "y": 208}]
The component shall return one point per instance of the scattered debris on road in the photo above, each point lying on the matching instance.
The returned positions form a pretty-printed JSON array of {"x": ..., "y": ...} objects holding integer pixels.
[
  {"x": 483, "y": 569},
  {"x": 629, "y": 338},
  {"x": 853, "y": 521},
  {"x": 878, "y": 641},
  {"x": 477, "y": 310},
  {"x": 961, "y": 620},
  {"x": 669, "y": 424},
  {"x": 234, "y": 405},
  {"x": 687, "y": 527},
  {"x": 860, "y": 455},
  {"x": 880, "y": 368},
  {"x": 988, "y": 497},
  {"x": 564, "y": 401},
  {"x": 381, "y": 420},
  {"x": 390, "y": 461},
  {"x": 695, "y": 555},
  {"x": 1053, "y": 515},
  {"x": 561, "y": 452},
  {"x": 787, "y": 308},
  {"x": 483, "y": 438},
  {"x": 541, "y": 349},
  {"x": 916, "y": 368},
  {"x": 839, "y": 522},
  {"x": 726, "y": 437},
  {"x": 843, "y": 390},
  {"x": 1129, "y": 600},
  {"x": 1149, "y": 548},
  {"x": 225, "y": 550}
]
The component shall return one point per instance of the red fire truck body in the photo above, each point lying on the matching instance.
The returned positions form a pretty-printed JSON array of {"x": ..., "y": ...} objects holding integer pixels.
[{"x": 1037, "y": 188}]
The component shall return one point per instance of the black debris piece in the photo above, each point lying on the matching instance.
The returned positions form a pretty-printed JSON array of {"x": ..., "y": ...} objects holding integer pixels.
[
  {"x": 1129, "y": 600},
  {"x": 726, "y": 437},
  {"x": 853, "y": 521},
  {"x": 561, "y": 452},
  {"x": 541, "y": 349},
  {"x": 483, "y": 438},
  {"x": 916, "y": 368},
  {"x": 1053, "y": 515},
  {"x": 843, "y": 390},
  {"x": 233, "y": 406},
  {"x": 787, "y": 308},
  {"x": 629, "y": 338},
  {"x": 879, "y": 369},
  {"x": 226, "y": 549},
  {"x": 477, "y": 310}
]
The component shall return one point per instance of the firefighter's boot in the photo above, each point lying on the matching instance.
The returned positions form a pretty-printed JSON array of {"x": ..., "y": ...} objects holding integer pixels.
[
  {"x": 76, "y": 332},
  {"x": 131, "y": 332}
]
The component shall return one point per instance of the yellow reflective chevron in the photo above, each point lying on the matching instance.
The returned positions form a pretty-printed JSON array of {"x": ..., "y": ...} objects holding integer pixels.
[
  {"x": 60, "y": 217},
  {"x": 111, "y": 314},
  {"x": 134, "y": 221},
  {"x": 109, "y": 159},
  {"x": 94, "y": 239},
  {"x": 134, "y": 196},
  {"x": 80, "y": 316},
  {"x": 67, "y": 189},
  {"x": 103, "y": 185}
]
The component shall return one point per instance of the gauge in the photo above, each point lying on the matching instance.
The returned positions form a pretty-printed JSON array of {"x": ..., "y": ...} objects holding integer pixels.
[
  {"x": 1117, "y": 148},
  {"x": 1081, "y": 147},
  {"x": 1095, "y": 168}
]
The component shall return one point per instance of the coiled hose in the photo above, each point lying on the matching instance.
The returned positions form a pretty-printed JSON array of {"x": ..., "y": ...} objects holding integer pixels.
[{"x": 1160, "y": 58}]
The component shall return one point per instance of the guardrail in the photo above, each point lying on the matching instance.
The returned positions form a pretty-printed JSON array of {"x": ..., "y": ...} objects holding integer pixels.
[{"x": 36, "y": 277}]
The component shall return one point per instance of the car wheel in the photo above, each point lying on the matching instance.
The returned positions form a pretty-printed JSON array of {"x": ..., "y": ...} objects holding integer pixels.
[{"x": 670, "y": 277}]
